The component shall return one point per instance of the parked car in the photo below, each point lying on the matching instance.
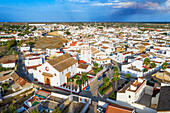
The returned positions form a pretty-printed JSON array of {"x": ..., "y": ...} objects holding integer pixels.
[
  {"x": 99, "y": 78},
  {"x": 87, "y": 88},
  {"x": 100, "y": 110},
  {"x": 104, "y": 75}
]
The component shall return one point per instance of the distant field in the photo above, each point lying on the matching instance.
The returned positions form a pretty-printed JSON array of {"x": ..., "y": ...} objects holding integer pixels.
[
  {"x": 55, "y": 33},
  {"x": 50, "y": 42}
]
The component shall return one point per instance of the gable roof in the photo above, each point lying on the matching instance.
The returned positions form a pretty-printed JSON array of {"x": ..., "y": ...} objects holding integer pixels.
[
  {"x": 14, "y": 75},
  {"x": 114, "y": 108},
  {"x": 62, "y": 62}
]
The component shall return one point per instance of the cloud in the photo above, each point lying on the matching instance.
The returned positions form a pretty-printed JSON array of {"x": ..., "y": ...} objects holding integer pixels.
[{"x": 78, "y": 0}]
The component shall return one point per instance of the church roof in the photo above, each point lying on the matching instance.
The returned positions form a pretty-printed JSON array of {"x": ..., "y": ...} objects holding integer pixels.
[{"x": 62, "y": 62}]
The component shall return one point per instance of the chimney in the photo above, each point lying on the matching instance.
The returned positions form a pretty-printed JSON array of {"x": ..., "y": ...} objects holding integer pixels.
[
  {"x": 140, "y": 79},
  {"x": 133, "y": 87}
]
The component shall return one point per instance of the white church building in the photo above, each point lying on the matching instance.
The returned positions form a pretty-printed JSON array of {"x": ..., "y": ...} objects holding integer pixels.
[{"x": 57, "y": 71}]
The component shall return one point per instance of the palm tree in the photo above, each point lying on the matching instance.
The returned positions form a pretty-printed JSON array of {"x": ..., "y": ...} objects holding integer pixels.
[
  {"x": 153, "y": 65},
  {"x": 115, "y": 79},
  {"x": 95, "y": 65},
  {"x": 79, "y": 82},
  {"x": 164, "y": 66},
  {"x": 95, "y": 71},
  {"x": 57, "y": 110},
  {"x": 106, "y": 81},
  {"x": 128, "y": 76},
  {"x": 115, "y": 69},
  {"x": 84, "y": 76},
  {"x": 146, "y": 61}
]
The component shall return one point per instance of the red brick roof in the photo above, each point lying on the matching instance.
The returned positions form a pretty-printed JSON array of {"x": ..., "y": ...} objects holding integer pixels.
[
  {"x": 73, "y": 43},
  {"x": 114, "y": 108}
]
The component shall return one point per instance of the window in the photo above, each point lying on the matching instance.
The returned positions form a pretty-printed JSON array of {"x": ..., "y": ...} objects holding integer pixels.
[{"x": 129, "y": 96}]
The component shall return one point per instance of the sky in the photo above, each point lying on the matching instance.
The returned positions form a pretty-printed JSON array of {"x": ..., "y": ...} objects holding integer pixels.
[{"x": 84, "y": 10}]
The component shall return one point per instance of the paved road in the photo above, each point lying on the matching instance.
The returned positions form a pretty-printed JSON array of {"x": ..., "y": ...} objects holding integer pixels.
[{"x": 20, "y": 70}]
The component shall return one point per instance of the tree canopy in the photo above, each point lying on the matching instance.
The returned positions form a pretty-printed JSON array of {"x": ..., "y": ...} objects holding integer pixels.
[
  {"x": 153, "y": 65},
  {"x": 115, "y": 69},
  {"x": 164, "y": 65},
  {"x": 84, "y": 77},
  {"x": 95, "y": 65},
  {"x": 106, "y": 81},
  {"x": 128, "y": 76},
  {"x": 146, "y": 61},
  {"x": 79, "y": 82},
  {"x": 116, "y": 76},
  {"x": 145, "y": 70}
]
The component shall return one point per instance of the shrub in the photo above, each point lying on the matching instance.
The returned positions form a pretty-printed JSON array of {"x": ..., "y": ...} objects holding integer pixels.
[
  {"x": 123, "y": 84},
  {"x": 5, "y": 86},
  {"x": 119, "y": 88},
  {"x": 76, "y": 77},
  {"x": 150, "y": 83},
  {"x": 103, "y": 89},
  {"x": 113, "y": 95}
]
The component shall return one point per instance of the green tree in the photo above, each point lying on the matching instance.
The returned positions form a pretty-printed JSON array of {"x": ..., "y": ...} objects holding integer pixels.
[
  {"x": 145, "y": 70},
  {"x": 128, "y": 76},
  {"x": 70, "y": 80},
  {"x": 5, "y": 86},
  {"x": 67, "y": 32},
  {"x": 57, "y": 110},
  {"x": 115, "y": 69},
  {"x": 101, "y": 67},
  {"x": 153, "y": 65},
  {"x": 79, "y": 82},
  {"x": 84, "y": 76},
  {"x": 164, "y": 66},
  {"x": 11, "y": 109},
  {"x": 146, "y": 62},
  {"x": 35, "y": 111},
  {"x": 106, "y": 81},
  {"x": 95, "y": 71},
  {"x": 95, "y": 65},
  {"x": 76, "y": 77},
  {"x": 31, "y": 43},
  {"x": 115, "y": 79}
]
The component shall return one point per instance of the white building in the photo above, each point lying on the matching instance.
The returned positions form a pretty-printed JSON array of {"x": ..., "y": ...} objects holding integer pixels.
[
  {"x": 57, "y": 71},
  {"x": 86, "y": 53},
  {"x": 132, "y": 92},
  {"x": 83, "y": 68},
  {"x": 24, "y": 47},
  {"x": 8, "y": 64}
]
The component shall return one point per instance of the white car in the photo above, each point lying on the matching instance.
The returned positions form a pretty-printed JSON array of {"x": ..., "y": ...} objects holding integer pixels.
[{"x": 100, "y": 110}]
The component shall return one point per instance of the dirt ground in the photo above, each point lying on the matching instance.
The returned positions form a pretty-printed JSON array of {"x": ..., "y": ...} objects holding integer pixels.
[
  {"x": 55, "y": 33},
  {"x": 49, "y": 42},
  {"x": 9, "y": 57}
]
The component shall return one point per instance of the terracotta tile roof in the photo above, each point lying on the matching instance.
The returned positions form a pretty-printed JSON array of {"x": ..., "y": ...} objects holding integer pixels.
[
  {"x": 83, "y": 66},
  {"x": 62, "y": 62},
  {"x": 15, "y": 76},
  {"x": 104, "y": 47},
  {"x": 114, "y": 108},
  {"x": 21, "y": 81},
  {"x": 73, "y": 43},
  {"x": 5, "y": 78}
]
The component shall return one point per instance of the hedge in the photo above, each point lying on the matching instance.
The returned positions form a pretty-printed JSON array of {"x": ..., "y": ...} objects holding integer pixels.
[
  {"x": 102, "y": 89},
  {"x": 113, "y": 95}
]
